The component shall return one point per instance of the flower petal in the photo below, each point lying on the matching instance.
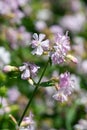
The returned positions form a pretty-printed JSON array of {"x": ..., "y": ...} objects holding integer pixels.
[
  {"x": 38, "y": 51},
  {"x": 26, "y": 74},
  {"x": 45, "y": 44},
  {"x": 35, "y": 36},
  {"x": 22, "y": 68},
  {"x": 59, "y": 96},
  {"x": 41, "y": 37}
]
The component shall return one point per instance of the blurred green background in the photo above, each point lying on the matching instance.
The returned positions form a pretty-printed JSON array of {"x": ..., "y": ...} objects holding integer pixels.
[{"x": 49, "y": 17}]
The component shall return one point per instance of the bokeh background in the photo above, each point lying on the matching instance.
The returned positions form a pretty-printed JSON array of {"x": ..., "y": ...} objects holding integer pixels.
[{"x": 19, "y": 19}]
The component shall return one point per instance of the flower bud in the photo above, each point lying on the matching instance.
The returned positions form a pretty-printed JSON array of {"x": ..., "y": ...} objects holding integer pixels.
[
  {"x": 72, "y": 58},
  {"x": 31, "y": 81},
  {"x": 9, "y": 68},
  {"x": 13, "y": 119}
]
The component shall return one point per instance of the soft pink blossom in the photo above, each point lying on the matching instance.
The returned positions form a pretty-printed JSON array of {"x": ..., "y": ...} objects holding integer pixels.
[
  {"x": 39, "y": 44},
  {"x": 60, "y": 48},
  {"x": 28, "y": 70},
  {"x": 66, "y": 86}
]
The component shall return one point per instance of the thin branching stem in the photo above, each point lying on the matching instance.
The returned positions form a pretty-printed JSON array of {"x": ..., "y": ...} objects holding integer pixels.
[{"x": 33, "y": 94}]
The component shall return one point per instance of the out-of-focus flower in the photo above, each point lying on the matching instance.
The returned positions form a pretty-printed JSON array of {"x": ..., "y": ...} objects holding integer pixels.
[
  {"x": 4, "y": 106},
  {"x": 66, "y": 86},
  {"x": 73, "y": 23},
  {"x": 29, "y": 70},
  {"x": 44, "y": 14},
  {"x": 84, "y": 67},
  {"x": 39, "y": 45},
  {"x": 60, "y": 96},
  {"x": 22, "y": 2},
  {"x": 76, "y": 80},
  {"x": 40, "y": 25},
  {"x": 4, "y": 9},
  {"x": 27, "y": 10},
  {"x": 24, "y": 36},
  {"x": 4, "y": 57},
  {"x": 14, "y": 4},
  {"x": 13, "y": 94},
  {"x": 18, "y": 15},
  {"x": 11, "y": 35},
  {"x": 78, "y": 47},
  {"x": 82, "y": 98},
  {"x": 76, "y": 5},
  {"x": 11, "y": 4},
  {"x": 82, "y": 125},
  {"x": 60, "y": 49},
  {"x": 27, "y": 123},
  {"x": 18, "y": 37},
  {"x": 11, "y": 8},
  {"x": 56, "y": 29}
]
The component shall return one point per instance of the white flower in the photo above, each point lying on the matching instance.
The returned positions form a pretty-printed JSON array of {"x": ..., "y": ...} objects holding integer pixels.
[
  {"x": 44, "y": 14},
  {"x": 39, "y": 45},
  {"x": 4, "y": 57},
  {"x": 28, "y": 70},
  {"x": 74, "y": 23}
]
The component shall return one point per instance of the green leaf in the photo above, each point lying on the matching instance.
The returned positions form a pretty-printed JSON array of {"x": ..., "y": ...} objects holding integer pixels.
[{"x": 49, "y": 83}]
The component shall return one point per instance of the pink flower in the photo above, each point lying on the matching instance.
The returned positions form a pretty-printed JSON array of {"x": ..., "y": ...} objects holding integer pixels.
[
  {"x": 60, "y": 96},
  {"x": 12, "y": 9},
  {"x": 39, "y": 45},
  {"x": 60, "y": 49},
  {"x": 64, "y": 80},
  {"x": 18, "y": 15},
  {"x": 27, "y": 123},
  {"x": 74, "y": 23},
  {"x": 56, "y": 29},
  {"x": 18, "y": 37},
  {"x": 29, "y": 70},
  {"x": 24, "y": 37},
  {"x": 66, "y": 86}
]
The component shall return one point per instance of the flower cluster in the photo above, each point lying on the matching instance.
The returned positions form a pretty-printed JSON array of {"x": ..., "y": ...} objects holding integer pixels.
[
  {"x": 60, "y": 49},
  {"x": 37, "y": 56},
  {"x": 17, "y": 37},
  {"x": 57, "y": 53},
  {"x": 65, "y": 87},
  {"x": 11, "y": 8}
]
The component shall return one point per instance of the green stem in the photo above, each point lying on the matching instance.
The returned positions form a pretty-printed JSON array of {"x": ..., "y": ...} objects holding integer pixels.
[{"x": 34, "y": 92}]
